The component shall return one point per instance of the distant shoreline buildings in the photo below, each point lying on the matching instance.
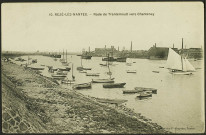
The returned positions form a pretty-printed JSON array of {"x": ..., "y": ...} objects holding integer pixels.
[{"x": 154, "y": 53}]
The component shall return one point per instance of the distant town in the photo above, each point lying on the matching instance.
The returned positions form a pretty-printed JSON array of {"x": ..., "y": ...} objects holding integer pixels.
[{"x": 154, "y": 53}]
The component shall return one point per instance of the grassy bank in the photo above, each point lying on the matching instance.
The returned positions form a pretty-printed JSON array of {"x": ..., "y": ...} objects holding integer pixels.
[{"x": 44, "y": 106}]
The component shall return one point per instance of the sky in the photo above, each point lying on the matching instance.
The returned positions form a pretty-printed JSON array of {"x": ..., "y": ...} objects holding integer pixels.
[{"x": 30, "y": 26}]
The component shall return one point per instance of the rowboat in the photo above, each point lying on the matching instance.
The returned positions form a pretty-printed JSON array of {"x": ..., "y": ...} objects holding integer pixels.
[
  {"x": 55, "y": 76},
  {"x": 92, "y": 74},
  {"x": 82, "y": 68},
  {"x": 82, "y": 71},
  {"x": 129, "y": 64},
  {"x": 155, "y": 71},
  {"x": 67, "y": 81},
  {"x": 153, "y": 90},
  {"x": 130, "y": 91},
  {"x": 103, "y": 80},
  {"x": 65, "y": 69},
  {"x": 114, "y": 85},
  {"x": 111, "y": 101},
  {"x": 82, "y": 86},
  {"x": 131, "y": 71},
  {"x": 144, "y": 94}
]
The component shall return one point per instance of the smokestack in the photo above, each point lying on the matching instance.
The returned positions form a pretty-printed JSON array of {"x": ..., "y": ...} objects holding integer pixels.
[
  {"x": 182, "y": 43},
  {"x": 131, "y": 47},
  {"x": 89, "y": 48},
  {"x": 173, "y": 46},
  {"x": 118, "y": 48}
]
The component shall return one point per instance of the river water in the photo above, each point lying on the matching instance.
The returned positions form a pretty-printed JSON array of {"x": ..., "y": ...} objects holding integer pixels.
[{"x": 178, "y": 105}]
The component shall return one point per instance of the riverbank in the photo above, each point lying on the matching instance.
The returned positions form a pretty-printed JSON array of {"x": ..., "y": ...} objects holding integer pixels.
[{"x": 35, "y": 104}]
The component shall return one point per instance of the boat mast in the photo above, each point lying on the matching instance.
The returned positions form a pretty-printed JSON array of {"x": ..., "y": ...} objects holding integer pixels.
[
  {"x": 28, "y": 60},
  {"x": 63, "y": 54},
  {"x": 181, "y": 54},
  {"x": 108, "y": 67},
  {"x": 66, "y": 56},
  {"x": 81, "y": 58}
]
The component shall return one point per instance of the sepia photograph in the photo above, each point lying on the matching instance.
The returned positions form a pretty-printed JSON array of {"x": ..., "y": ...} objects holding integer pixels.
[{"x": 102, "y": 67}]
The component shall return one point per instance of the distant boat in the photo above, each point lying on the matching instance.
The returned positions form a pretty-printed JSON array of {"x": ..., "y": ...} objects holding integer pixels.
[
  {"x": 144, "y": 94},
  {"x": 130, "y": 91},
  {"x": 82, "y": 86},
  {"x": 82, "y": 71},
  {"x": 111, "y": 101},
  {"x": 81, "y": 68},
  {"x": 86, "y": 55},
  {"x": 155, "y": 71},
  {"x": 109, "y": 59},
  {"x": 129, "y": 64},
  {"x": 114, "y": 85},
  {"x": 103, "y": 80},
  {"x": 34, "y": 61},
  {"x": 121, "y": 59},
  {"x": 67, "y": 81},
  {"x": 161, "y": 67},
  {"x": 131, "y": 71},
  {"x": 55, "y": 76},
  {"x": 92, "y": 74},
  {"x": 141, "y": 89},
  {"x": 60, "y": 72},
  {"x": 65, "y": 69},
  {"x": 177, "y": 64}
]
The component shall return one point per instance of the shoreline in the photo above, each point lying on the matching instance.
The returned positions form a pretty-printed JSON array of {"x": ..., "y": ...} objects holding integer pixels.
[{"x": 61, "y": 110}]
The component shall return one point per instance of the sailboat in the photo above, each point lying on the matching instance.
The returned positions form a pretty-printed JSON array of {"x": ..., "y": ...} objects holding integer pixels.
[
  {"x": 109, "y": 80},
  {"x": 86, "y": 55},
  {"x": 67, "y": 81},
  {"x": 65, "y": 63},
  {"x": 62, "y": 60},
  {"x": 177, "y": 64},
  {"x": 81, "y": 68}
]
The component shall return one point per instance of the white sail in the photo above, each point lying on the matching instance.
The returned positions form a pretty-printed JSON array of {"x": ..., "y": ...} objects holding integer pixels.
[
  {"x": 187, "y": 66},
  {"x": 174, "y": 60}
]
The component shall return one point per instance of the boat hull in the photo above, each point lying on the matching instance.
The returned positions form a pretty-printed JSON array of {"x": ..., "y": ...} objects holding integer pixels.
[
  {"x": 114, "y": 85},
  {"x": 111, "y": 101},
  {"x": 82, "y": 86},
  {"x": 181, "y": 73},
  {"x": 102, "y": 80},
  {"x": 86, "y": 57}
]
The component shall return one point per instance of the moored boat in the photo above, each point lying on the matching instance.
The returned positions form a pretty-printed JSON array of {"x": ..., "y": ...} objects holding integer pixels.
[
  {"x": 121, "y": 59},
  {"x": 144, "y": 94},
  {"x": 131, "y": 71},
  {"x": 155, "y": 71},
  {"x": 65, "y": 69},
  {"x": 130, "y": 91},
  {"x": 129, "y": 64},
  {"x": 55, "y": 76},
  {"x": 82, "y": 86},
  {"x": 92, "y": 74},
  {"x": 141, "y": 89},
  {"x": 111, "y": 101},
  {"x": 114, "y": 85},
  {"x": 103, "y": 80}
]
